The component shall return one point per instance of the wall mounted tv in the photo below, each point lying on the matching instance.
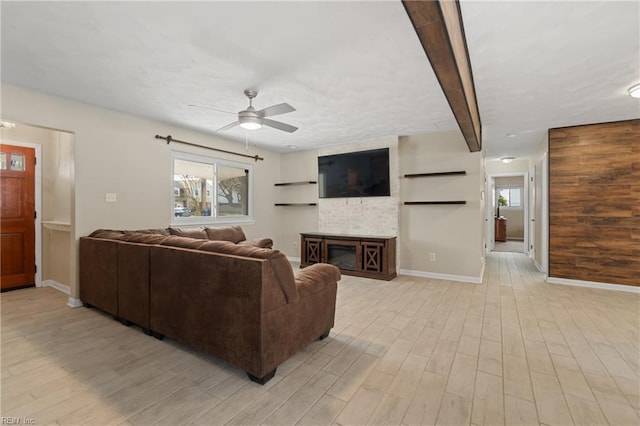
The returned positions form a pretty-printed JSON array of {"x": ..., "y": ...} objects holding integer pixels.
[{"x": 354, "y": 174}]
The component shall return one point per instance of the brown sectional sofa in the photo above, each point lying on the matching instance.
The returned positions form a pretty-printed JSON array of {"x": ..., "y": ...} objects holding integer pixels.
[{"x": 232, "y": 298}]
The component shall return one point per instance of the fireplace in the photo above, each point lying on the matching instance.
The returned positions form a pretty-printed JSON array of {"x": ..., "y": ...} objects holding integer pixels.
[
  {"x": 359, "y": 255},
  {"x": 343, "y": 256}
]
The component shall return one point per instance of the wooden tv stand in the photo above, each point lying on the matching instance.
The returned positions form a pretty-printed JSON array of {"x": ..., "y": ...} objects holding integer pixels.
[{"x": 359, "y": 255}]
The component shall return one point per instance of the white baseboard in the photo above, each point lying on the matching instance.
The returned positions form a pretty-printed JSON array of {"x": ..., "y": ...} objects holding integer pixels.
[
  {"x": 293, "y": 259},
  {"x": 71, "y": 302},
  {"x": 74, "y": 303},
  {"x": 448, "y": 277},
  {"x": 593, "y": 284},
  {"x": 538, "y": 266},
  {"x": 58, "y": 286}
]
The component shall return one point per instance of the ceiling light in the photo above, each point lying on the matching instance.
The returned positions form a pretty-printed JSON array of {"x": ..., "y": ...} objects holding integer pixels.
[
  {"x": 511, "y": 135},
  {"x": 507, "y": 160},
  {"x": 250, "y": 123},
  {"x": 251, "y": 126},
  {"x": 634, "y": 91},
  {"x": 292, "y": 147}
]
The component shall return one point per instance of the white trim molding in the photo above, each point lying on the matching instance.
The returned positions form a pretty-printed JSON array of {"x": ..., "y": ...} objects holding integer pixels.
[
  {"x": 58, "y": 286},
  {"x": 74, "y": 303},
  {"x": 593, "y": 284},
  {"x": 71, "y": 302},
  {"x": 57, "y": 226},
  {"x": 447, "y": 277},
  {"x": 539, "y": 267}
]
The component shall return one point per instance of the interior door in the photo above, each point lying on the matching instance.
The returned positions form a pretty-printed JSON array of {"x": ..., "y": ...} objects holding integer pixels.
[
  {"x": 491, "y": 215},
  {"x": 17, "y": 217},
  {"x": 532, "y": 213}
]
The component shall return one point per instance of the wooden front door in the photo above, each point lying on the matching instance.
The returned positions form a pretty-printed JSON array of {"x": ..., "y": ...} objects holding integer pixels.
[{"x": 17, "y": 217}]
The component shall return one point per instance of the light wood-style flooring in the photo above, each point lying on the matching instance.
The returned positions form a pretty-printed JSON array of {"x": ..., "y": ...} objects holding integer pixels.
[
  {"x": 513, "y": 350},
  {"x": 513, "y": 246}
]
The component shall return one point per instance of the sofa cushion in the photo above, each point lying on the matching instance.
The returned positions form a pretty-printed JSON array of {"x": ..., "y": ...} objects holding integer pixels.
[
  {"x": 198, "y": 233},
  {"x": 158, "y": 231},
  {"x": 183, "y": 242},
  {"x": 279, "y": 263},
  {"x": 258, "y": 242},
  {"x": 107, "y": 234},
  {"x": 235, "y": 234},
  {"x": 136, "y": 237},
  {"x": 316, "y": 277}
]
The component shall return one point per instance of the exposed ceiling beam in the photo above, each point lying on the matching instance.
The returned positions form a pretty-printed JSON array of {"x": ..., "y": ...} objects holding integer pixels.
[{"x": 440, "y": 30}]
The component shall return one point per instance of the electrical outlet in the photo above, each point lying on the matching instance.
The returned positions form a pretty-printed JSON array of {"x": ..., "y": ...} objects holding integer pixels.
[
  {"x": 110, "y": 197},
  {"x": 432, "y": 257}
]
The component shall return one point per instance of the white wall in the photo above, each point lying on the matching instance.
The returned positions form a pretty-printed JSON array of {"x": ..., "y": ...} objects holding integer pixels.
[
  {"x": 294, "y": 220},
  {"x": 452, "y": 232},
  {"x": 118, "y": 153}
]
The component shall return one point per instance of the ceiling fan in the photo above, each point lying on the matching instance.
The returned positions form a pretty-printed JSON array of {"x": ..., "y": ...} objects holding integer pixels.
[{"x": 252, "y": 119}]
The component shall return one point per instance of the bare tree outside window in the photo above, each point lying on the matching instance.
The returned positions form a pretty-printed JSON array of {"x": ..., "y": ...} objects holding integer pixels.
[{"x": 233, "y": 191}]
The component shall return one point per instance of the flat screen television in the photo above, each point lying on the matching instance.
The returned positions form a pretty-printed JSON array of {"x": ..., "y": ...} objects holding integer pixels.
[{"x": 354, "y": 174}]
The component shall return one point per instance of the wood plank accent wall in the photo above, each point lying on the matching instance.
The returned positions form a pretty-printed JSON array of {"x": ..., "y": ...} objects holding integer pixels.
[{"x": 594, "y": 202}]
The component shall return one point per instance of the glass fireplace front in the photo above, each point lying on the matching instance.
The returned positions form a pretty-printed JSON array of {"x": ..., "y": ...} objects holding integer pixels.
[{"x": 342, "y": 256}]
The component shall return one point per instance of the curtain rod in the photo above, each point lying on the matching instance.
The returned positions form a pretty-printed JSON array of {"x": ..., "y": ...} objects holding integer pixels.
[{"x": 170, "y": 139}]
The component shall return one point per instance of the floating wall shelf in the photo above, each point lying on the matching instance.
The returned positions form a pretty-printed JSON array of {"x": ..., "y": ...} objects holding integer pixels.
[
  {"x": 415, "y": 175},
  {"x": 410, "y": 203},
  {"x": 307, "y": 182},
  {"x": 296, "y": 204}
]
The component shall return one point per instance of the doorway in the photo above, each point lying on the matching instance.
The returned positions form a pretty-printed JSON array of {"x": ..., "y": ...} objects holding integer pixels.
[
  {"x": 53, "y": 194},
  {"x": 17, "y": 217},
  {"x": 509, "y": 213}
]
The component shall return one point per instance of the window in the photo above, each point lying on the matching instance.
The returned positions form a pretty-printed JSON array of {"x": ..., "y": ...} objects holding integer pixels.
[
  {"x": 510, "y": 196},
  {"x": 209, "y": 190}
]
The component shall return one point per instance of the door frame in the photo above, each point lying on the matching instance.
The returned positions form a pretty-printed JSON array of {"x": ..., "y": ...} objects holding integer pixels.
[
  {"x": 38, "y": 200},
  {"x": 490, "y": 237},
  {"x": 544, "y": 212},
  {"x": 489, "y": 205}
]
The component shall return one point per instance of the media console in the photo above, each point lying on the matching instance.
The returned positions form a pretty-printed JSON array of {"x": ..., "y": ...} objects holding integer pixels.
[{"x": 359, "y": 255}]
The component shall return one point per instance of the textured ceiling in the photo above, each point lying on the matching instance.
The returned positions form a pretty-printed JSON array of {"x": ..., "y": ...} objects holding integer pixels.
[
  {"x": 354, "y": 71},
  {"x": 540, "y": 65}
]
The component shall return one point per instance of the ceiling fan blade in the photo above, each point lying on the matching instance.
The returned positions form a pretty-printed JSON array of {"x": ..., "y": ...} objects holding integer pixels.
[
  {"x": 214, "y": 109},
  {"x": 228, "y": 126},
  {"x": 277, "y": 109},
  {"x": 279, "y": 125}
]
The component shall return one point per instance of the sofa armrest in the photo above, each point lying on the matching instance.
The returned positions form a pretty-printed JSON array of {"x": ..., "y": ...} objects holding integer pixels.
[
  {"x": 315, "y": 277},
  {"x": 258, "y": 242}
]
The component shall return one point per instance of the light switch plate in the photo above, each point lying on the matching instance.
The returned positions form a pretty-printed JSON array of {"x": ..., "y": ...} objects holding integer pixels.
[{"x": 110, "y": 197}]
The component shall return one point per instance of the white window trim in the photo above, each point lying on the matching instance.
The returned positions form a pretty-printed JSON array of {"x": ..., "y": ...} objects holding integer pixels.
[{"x": 208, "y": 220}]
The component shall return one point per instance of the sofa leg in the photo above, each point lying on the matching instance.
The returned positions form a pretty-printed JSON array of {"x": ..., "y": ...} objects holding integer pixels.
[
  {"x": 264, "y": 379},
  {"x": 87, "y": 305},
  {"x": 147, "y": 331},
  {"x": 157, "y": 335},
  {"x": 324, "y": 335},
  {"x": 125, "y": 322}
]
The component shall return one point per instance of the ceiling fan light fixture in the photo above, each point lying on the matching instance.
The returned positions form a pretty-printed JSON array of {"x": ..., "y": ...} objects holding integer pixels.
[
  {"x": 507, "y": 160},
  {"x": 250, "y": 123},
  {"x": 634, "y": 91}
]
